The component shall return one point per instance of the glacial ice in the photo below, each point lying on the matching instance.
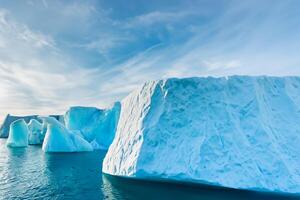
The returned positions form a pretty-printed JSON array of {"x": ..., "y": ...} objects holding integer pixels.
[
  {"x": 83, "y": 119},
  {"x": 18, "y": 134},
  {"x": 96, "y": 125},
  {"x": 59, "y": 139},
  {"x": 4, "y": 129},
  {"x": 238, "y": 132},
  {"x": 36, "y": 135}
]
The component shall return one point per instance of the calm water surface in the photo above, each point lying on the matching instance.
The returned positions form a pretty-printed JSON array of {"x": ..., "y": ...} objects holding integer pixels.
[{"x": 28, "y": 173}]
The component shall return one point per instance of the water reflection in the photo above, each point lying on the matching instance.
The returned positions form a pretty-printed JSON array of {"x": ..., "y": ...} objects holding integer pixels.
[
  {"x": 29, "y": 173},
  {"x": 74, "y": 175},
  {"x": 121, "y": 188}
]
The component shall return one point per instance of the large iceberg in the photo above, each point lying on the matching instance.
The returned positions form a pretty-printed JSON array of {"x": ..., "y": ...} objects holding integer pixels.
[
  {"x": 59, "y": 139},
  {"x": 18, "y": 134},
  {"x": 36, "y": 135},
  {"x": 238, "y": 132},
  {"x": 4, "y": 129},
  {"x": 98, "y": 126}
]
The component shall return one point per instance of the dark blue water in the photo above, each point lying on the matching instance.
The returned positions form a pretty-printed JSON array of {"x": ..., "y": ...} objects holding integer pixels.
[{"x": 28, "y": 173}]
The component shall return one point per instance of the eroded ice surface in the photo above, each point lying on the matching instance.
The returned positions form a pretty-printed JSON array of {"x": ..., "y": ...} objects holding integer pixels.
[
  {"x": 36, "y": 135},
  {"x": 96, "y": 125},
  {"x": 238, "y": 132},
  {"x": 59, "y": 139},
  {"x": 18, "y": 134}
]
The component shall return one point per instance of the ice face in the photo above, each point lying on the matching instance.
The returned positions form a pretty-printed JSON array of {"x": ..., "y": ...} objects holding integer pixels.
[
  {"x": 18, "y": 134},
  {"x": 107, "y": 127},
  {"x": 59, "y": 139},
  {"x": 83, "y": 119},
  {"x": 96, "y": 126},
  {"x": 238, "y": 132},
  {"x": 35, "y": 132}
]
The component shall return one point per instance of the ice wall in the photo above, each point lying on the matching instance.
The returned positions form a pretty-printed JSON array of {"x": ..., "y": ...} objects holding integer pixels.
[
  {"x": 238, "y": 132},
  {"x": 97, "y": 126}
]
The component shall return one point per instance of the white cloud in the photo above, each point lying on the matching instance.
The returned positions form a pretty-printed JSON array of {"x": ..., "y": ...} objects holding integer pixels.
[
  {"x": 38, "y": 75},
  {"x": 154, "y": 17},
  {"x": 12, "y": 30}
]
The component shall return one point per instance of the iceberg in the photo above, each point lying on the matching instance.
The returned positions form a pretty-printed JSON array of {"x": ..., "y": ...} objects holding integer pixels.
[
  {"x": 36, "y": 135},
  {"x": 4, "y": 129},
  {"x": 238, "y": 132},
  {"x": 18, "y": 134},
  {"x": 97, "y": 126},
  {"x": 59, "y": 139}
]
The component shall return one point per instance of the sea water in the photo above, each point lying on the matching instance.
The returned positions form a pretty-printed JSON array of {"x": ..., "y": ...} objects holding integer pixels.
[{"x": 29, "y": 173}]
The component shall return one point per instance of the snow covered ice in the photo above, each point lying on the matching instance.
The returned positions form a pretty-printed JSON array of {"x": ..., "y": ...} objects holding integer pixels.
[
  {"x": 59, "y": 139},
  {"x": 238, "y": 132},
  {"x": 18, "y": 134},
  {"x": 97, "y": 126},
  {"x": 36, "y": 135}
]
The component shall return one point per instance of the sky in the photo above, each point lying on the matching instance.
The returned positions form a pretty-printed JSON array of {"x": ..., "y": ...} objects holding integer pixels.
[{"x": 59, "y": 53}]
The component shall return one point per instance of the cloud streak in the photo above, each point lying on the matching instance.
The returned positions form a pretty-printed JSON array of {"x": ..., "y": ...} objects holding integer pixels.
[{"x": 54, "y": 54}]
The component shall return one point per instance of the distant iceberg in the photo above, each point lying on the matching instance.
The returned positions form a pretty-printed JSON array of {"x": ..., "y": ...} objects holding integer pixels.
[
  {"x": 59, "y": 139},
  {"x": 18, "y": 134},
  {"x": 97, "y": 126},
  {"x": 238, "y": 132},
  {"x": 4, "y": 129},
  {"x": 81, "y": 129}
]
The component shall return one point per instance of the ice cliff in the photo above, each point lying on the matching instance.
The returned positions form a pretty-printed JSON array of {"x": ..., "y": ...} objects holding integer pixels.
[
  {"x": 97, "y": 126},
  {"x": 238, "y": 132},
  {"x": 18, "y": 134}
]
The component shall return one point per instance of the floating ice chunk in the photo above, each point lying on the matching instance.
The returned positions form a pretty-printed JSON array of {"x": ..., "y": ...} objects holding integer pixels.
[
  {"x": 238, "y": 132},
  {"x": 35, "y": 132},
  {"x": 18, "y": 134},
  {"x": 96, "y": 125},
  {"x": 59, "y": 139}
]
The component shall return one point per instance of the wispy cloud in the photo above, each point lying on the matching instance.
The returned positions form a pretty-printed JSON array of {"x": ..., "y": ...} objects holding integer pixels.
[{"x": 54, "y": 54}]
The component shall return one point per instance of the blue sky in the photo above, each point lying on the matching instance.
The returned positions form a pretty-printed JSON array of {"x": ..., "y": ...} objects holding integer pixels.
[{"x": 55, "y": 54}]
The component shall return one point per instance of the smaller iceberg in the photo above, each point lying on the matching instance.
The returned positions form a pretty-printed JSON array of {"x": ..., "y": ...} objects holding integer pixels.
[
  {"x": 18, "y": 134},
  {"x": 35, "y": 132},
  {"x": 59, "y": 139},
  {"x": 4, "y": 128},
  {"x": 9, "y": 119}
]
